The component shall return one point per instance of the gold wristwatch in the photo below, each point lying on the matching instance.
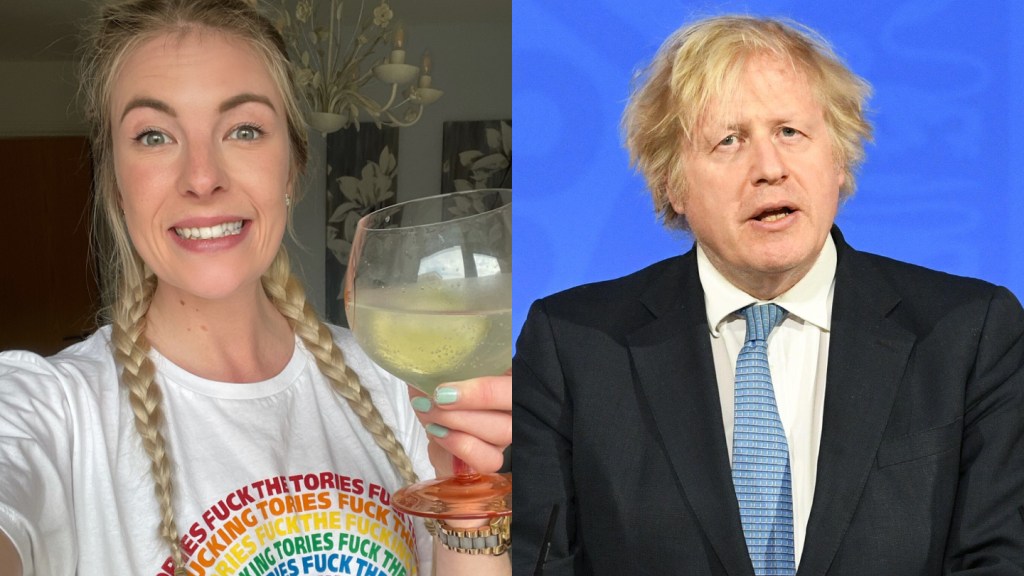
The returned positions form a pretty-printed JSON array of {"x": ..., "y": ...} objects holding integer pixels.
[{"x": 493, "y": 539}]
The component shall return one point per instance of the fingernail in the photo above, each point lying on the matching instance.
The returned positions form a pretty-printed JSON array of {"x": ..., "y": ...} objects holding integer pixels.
[
  {"x": 445, "y": 395},
  {"x": 437, "y": 430},
  {"x": 422, "y": 404}
]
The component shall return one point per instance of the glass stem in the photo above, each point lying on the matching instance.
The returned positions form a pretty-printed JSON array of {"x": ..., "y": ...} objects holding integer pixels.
[{"x": 462, "y": 470}]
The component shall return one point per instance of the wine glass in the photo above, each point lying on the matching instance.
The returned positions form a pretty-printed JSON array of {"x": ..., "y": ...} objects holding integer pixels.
[{"x": 428, "y": 295}]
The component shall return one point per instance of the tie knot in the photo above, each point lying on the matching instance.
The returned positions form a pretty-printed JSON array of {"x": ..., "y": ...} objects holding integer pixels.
[{"x": 762, "y": 319}]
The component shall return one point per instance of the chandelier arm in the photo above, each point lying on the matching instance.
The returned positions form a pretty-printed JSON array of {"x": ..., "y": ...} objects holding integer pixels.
[
  {"x": 366, "y": 101},
  {"x": 392, "y": 121},
  {"x": 391, "y": 100},
  {"x": 419, "y": 112},
  {"x": 366, "y": 77},
  {"x": 408, "y": 100},
  {"x": 323, "y": 91},
  {"x": 330, "y": 39},
  {"x": 335, "y": 101},
  {"x": 371, "y": 106}
]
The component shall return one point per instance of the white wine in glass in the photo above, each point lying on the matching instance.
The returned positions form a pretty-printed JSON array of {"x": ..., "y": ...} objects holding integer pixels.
[
  {"x": 428, "y": 295},
  {"x": 438, "y": 331}
]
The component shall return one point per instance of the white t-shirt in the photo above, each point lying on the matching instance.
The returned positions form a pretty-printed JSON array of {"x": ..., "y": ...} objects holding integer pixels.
[{"x": 271, "y": 478}]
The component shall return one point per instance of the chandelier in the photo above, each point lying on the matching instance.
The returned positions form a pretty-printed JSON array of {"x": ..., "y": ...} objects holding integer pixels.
[{"x": 334, "y": 65}]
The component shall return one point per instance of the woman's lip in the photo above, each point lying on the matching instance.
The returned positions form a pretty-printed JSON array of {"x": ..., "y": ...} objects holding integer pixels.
[
  {"x": 206, "y": 221},
  {"x": 207, "y": 232},
  {"x": 211, "y": 244}
]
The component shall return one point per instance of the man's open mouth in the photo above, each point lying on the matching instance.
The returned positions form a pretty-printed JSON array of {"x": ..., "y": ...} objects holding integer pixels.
[{"x": 773, "y": 215}]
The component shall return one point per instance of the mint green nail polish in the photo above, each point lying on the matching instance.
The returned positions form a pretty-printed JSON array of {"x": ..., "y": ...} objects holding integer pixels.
[
  {"x": 437, "y": 430},
  {"x": 421, "y": 404},
  {"x": 446, "y": 395}
]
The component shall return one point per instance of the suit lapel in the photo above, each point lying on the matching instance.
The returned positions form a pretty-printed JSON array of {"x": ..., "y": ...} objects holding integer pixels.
[
  {"x": 868, "y": 354},
  {"x": 674, "y": 369}
]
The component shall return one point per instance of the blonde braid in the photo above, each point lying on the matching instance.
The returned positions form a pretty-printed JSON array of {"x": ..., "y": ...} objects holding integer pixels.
[
  {"x": 287, "y": 293},
  {"x": 131, "y": 351}
]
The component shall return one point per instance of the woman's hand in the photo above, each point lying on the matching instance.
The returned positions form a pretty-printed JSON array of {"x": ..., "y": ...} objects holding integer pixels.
[{"x": 471, "y": 419}]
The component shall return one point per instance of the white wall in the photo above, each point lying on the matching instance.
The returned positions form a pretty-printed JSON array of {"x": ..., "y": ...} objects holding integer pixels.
[{"x": 472, "y": 65}]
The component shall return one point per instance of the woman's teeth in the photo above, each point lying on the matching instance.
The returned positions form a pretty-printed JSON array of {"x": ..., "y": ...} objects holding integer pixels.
[{"x": 218, "y": 231}]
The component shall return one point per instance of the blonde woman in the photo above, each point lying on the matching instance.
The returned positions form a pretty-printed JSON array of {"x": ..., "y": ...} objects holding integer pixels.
[{"x": 216, "y": 426}]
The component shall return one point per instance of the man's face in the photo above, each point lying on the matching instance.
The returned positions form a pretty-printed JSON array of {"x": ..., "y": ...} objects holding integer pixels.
[{"x": 762, "y": 184}]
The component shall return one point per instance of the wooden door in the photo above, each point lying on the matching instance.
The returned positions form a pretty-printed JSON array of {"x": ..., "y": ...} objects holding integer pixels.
[{"x": 48, "y": 290}]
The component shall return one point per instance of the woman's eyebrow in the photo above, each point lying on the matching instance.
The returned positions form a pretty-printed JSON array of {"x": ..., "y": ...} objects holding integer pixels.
[
  {"x": 244, "y": 98},
  {"x": 153, "y": 103}
]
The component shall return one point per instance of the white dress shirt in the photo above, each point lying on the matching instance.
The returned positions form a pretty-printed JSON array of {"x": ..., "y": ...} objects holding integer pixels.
[{"x": 797, "y": 357}]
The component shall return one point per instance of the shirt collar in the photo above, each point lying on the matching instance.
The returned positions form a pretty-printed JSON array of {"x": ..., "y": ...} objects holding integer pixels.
[{"x": 808, "y": 299}]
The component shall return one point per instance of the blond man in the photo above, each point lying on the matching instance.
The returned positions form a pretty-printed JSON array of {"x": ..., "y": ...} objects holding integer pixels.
[{"x": 773, "y": 400}]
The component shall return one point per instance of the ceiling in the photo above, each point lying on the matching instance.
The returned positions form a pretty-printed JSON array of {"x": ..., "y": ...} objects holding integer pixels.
[{"x": 49, "y": 29}]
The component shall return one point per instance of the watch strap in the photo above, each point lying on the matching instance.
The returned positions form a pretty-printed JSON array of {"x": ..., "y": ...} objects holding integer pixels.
[{"x": 493, "y": 539}]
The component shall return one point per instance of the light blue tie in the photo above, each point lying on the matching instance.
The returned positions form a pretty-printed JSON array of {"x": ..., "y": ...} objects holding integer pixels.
[{"x": 760, "y": 454}]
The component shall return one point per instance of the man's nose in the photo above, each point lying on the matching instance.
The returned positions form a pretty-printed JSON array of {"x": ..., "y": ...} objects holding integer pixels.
[{"x": 767, "y": 164}]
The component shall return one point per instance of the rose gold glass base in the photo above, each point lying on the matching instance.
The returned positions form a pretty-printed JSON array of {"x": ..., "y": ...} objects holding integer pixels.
[{"x": 466, "y": 496}]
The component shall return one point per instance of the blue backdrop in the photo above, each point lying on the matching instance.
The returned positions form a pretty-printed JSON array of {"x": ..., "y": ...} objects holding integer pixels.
[{"x": 942, "y": 185}]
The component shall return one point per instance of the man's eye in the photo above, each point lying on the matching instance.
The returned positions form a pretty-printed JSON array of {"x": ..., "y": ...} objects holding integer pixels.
[
  {"x": 728, "y": 140},
  {"x": 789, "y": 132},
  {"x": 246, "y": 133},
  {"x": 152, "y": 138}
]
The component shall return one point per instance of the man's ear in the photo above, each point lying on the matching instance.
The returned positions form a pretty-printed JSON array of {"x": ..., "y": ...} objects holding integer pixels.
[{"x": 676, "y": 195}]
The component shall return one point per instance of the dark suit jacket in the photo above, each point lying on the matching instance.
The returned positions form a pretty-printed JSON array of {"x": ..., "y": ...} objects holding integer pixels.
[{"x": 921, "y": 470}]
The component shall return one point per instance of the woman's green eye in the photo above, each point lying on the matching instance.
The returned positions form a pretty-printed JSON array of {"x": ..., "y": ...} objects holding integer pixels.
[{"x": 152, "y": 138}]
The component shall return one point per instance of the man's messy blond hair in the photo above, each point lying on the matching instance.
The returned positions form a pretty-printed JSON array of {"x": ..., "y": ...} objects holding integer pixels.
[{"x": 699, "y": 64}]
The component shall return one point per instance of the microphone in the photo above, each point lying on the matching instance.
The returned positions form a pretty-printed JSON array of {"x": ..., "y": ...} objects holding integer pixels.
[{"x": 546, "y": 544}]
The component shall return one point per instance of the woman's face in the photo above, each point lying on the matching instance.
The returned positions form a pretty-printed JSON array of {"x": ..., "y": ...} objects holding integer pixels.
[{"x": 202, "y": 160}]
